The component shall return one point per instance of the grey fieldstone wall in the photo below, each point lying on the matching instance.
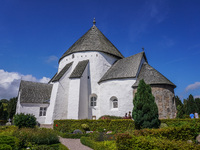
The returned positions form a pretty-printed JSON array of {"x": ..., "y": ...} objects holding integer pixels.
[{"x": 164, "y": 97}]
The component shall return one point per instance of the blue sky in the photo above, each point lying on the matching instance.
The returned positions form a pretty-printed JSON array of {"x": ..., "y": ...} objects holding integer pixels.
[{"x": 35, "y": 33}]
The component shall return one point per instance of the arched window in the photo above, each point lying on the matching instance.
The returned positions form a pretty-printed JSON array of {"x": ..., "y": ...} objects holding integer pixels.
[
  {"x": 114, "y": 102},
  {"x": 93, "y": 100}
]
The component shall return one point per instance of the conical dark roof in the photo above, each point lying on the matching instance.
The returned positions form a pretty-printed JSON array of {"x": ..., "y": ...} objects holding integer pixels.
[
  {"x": 93, "y": 40},
  {"x": 151, "y": 76}
]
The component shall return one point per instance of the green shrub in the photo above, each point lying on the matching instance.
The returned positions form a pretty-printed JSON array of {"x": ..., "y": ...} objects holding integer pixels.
[
  {"x": 38, "y": 136},
  {"x": 5, "y": 147},
  {"x": 7, "y": 130},
  {"x": 25, "y": 120},
  {"x": 85, "y": 127},
  {"x": 68, "y": 126},
  {"x": 110, "y": 117},
  {"x": 146, "y": 143},
  {"x": 106, "y": 145},
  {"x": 123, "y": 141},
  {"x": 186, "y": 132},
  {"x": 9, "y": 140},
  {"x": 72, "y": 136},
  {"x": 50, "y": 147}
]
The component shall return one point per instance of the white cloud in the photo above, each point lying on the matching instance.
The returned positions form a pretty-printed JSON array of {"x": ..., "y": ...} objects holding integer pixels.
[
  {"x": 193, "y": 86},
  {"x": 197, "y": 96},
  {"x": 9, "y": 83},
  {"x": 52, "y": 59}
]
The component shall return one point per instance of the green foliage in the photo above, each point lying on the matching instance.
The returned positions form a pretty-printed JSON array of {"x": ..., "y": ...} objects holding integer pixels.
[
  {"x": 3, "y": 112},
  {"x": 197, "y": 102},
  {"x": 7, "y": 130},
  {"x": 72, "y": 136},
  {"x": 9, "y": 140},
  {"x": 145, "y": 110},
  {"x": 36, "y": 136},
  {"x": 123, "y": 141},
  {"x": 50, "y": 147},
  {"x": 148, "y": 142},
  {"x": 109, "y": 117},
  {"x": 68, "y": 126},
  {"x": 190, "y": 106},
  {"x": 5, "y": 147},
  {"x": 11, "y": 108},
  {"x": 106, "y": 145},
  {"x": 25, "y": 120},
  {"x": 186, "y": 132}
]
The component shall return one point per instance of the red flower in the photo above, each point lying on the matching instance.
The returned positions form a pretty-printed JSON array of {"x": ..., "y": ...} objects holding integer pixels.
[{"x": 56, "y": 125}]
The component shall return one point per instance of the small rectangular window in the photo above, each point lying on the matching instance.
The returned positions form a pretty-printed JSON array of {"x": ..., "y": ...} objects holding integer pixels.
[{"x": 43, "y": 111}]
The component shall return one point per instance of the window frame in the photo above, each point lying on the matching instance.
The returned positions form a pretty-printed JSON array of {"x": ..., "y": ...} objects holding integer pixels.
[
  {"x": 43, "y": 111},
  {"x": 93, "y": 100},
  {"x": 114, "y": 100}
]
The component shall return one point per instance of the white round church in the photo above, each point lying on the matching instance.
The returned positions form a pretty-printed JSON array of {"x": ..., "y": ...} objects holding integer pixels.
[{"x": 94, "y": 79}]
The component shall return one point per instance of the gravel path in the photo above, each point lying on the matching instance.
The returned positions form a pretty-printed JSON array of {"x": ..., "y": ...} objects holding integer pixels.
[{"x": 73, "y": 144}]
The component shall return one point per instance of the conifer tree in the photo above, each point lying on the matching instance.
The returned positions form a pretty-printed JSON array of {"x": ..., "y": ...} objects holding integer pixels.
[{"x": 145, "y": 110}]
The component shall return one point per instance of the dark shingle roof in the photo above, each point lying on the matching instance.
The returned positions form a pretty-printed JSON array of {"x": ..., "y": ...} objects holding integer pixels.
[
  {"x": 151, "y": 76},
  {"x": 62, "y": 72},
  {"x": 124, "y": 68},
  {"x": 79, "y": 69},
  {"x": 35, "y": 92},
  {"x": 93, "y": 40},
  {"x": 52, "y": 78}
]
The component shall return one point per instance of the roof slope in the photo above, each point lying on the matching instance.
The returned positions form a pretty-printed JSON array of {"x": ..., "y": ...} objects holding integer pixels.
[
  {"x": 124, "y": 68},
  {"x": 79, "y": 69},
  {"x": 93, "y": 40},
  {"x": 151, "y": 76},
  {"x": 62, "y": 72},
  {"x": 35, "y": 92}
]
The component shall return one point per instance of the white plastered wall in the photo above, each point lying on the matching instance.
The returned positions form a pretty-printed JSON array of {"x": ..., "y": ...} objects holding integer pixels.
[
  {"x": 122, "y": 90},
  {"x": 84, "y": 94},
  {"x": 30, "y": 108}
]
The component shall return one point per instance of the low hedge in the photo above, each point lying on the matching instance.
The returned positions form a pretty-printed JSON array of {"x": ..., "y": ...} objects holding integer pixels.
[
  {"x": 106, "y": 145},
  {"x": 50, "y": 147},
  {"x": 179, "y": 122},
  {"x": 148, "y": 142},
  {"x": 94, "y": 125},
  {"x": 187, "y": 132},
  {"x": 8, "y": 140},
  {"x": 5, "y": 147},
  {"x": 38, "y": 136}
]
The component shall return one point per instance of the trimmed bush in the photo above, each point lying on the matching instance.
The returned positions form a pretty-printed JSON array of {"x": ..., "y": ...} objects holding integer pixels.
[
  {"x": 146, "y": 143},
  {"x": 68, "y": 126},
  {"x": 50, "y": 147},
  {"x": 5, "y": 147},
  {"x": 110, "y": 117},
  {"x": 106, "y": 145},
  {"x": 36, "y": 136},
  {"x": 25, "y": 120},
  {"x": 9, "y": 140},
  {"x": 123, "y": 141},
  {"x": 186, "y": 132}
]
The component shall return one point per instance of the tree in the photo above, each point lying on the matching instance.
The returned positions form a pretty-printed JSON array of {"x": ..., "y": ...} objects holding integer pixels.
[
  {"x": 197, "y": 102},
  {"x": 145, "y": 110},
  {"x": 190, "y": 106},
  {"x": 12, "y": 107},
  {"x": 179, "y": 108}
]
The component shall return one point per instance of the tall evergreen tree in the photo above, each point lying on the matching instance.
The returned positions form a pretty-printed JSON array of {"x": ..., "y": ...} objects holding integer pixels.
[
  {"x": 190, "y": 106},
  {"x": 12, "y": 107},
  {"x": 197, "y": 102},
  {"x": 145, "y": 110},
  {"x": 179, "y": 108}
]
